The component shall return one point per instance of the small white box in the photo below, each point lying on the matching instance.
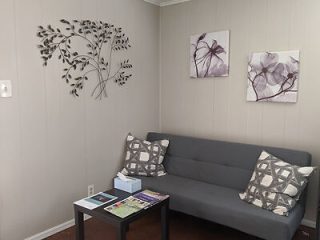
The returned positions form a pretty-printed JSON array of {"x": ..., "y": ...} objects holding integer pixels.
[{"x": 128, "y": 186}]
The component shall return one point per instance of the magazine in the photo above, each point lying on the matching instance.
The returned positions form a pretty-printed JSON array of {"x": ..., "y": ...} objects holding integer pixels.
[
  {"x": 150, "y": 197},
  {"x": 126, "y": 207},
  {"x": 135, "y": 203},
  {"x": 96, "y": 200}
]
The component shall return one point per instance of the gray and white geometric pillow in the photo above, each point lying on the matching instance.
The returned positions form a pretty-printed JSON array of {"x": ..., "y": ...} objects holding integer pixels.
[
  {"x": 276, "y": 185},
  {"x": 144, "y": 158}
]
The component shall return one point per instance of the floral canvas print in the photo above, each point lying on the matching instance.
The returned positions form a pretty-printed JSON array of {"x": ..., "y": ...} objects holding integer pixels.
[
  {"x": 209, "y": 55},
  {"x": 273, "y": 76}
]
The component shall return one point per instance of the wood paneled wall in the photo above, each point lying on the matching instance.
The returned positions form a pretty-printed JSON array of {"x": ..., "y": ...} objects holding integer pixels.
[
  {"x": 216, "y": 108},
  {"x": 52, "y": 145}
]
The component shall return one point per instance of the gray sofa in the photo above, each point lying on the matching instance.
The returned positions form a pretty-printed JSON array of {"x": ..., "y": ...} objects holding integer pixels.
[{"x": 205, "y": 177}]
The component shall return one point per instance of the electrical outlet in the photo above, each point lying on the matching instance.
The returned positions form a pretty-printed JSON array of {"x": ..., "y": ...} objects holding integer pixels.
[
  {"x": 90, "y": 190},
  {"x": 5, "y": 88}
]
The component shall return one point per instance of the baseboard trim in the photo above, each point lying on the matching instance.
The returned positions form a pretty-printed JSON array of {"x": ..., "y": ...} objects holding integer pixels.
[
  {"x": 70, "y": 223},
  {"x": 51, "y": 231},
  {"x": 308, "y": 223}
]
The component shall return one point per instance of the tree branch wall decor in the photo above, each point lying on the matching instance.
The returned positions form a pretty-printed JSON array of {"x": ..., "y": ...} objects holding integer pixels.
[{"x": 101, "y": 42}]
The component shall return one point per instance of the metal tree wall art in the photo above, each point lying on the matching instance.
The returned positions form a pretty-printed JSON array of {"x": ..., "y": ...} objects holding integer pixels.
[
  {"x": 209, "y": 54},
  {"x": 273, "y": 76},
  {"x": 86, "y": 48}
]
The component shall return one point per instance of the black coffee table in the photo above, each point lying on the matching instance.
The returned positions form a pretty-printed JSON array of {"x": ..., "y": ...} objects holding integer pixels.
[{"x": 122, "y": 224}]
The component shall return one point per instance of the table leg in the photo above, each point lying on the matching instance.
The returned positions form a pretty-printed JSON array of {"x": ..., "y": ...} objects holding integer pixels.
[
  {"x": 165, "y": 222},
  {"x": 122, "y": 231},
  {"x": 318, "y": 225},
  {"x": 79, "y": 225}
]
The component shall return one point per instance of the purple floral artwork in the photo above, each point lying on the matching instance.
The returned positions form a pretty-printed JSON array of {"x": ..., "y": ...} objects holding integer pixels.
[
  {"x": 273, "y": 77},
  {"x": 209, "y": 55}
]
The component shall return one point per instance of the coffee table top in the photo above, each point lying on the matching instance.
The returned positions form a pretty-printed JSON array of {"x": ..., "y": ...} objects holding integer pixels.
[{"x": 99, "y": 212}]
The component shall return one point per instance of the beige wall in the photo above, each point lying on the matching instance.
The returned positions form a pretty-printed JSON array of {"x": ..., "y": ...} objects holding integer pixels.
[
  {"x": 216, "y": 107},
  {"x": 52, "y": 146}
]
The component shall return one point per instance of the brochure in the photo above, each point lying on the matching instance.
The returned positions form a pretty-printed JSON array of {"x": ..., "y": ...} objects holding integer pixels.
[{"x": 96, "y": 200}]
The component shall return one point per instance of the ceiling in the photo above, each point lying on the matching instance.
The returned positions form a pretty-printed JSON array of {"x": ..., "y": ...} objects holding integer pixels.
[{"x": 163, "y": 3}]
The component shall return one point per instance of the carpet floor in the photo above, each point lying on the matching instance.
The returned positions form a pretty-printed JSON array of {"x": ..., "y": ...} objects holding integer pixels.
[{"x": 182, "y": 227}]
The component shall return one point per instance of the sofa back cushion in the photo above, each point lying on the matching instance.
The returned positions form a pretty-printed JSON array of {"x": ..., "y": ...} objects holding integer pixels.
[{"x": 221, "y": 163}]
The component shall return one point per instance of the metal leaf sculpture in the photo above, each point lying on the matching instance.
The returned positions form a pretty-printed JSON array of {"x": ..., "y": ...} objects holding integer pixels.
[{"x": 101, "y": 41}]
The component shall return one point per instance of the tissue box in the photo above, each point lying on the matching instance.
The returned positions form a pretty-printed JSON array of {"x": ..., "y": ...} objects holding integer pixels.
[{"x": 128, "y": 186}]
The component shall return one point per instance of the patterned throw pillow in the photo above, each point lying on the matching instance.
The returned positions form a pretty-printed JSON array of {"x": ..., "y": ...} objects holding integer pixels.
[
  {"x": 276, "y": 185},
  {"x": 144, "y": 158}
]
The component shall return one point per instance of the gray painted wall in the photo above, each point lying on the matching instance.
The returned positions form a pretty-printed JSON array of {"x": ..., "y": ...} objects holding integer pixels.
[
  {"x": 52, "y": 145},
  {"x": 216, "y": 107}
]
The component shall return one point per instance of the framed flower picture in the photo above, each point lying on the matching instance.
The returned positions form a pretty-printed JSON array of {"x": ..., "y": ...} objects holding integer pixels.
[
  {"x": 273, "y": 76},
  {"x": 209, "y": 55}
]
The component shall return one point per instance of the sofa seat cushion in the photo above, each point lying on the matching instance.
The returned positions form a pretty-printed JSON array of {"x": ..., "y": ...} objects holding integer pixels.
[{"x": 223, "y": 205}]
